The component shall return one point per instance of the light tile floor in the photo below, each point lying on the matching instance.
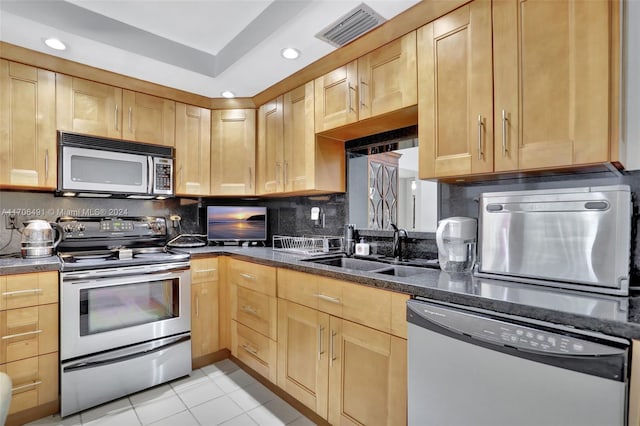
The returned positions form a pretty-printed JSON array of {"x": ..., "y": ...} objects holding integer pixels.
[{"x": 218, "y": 394}]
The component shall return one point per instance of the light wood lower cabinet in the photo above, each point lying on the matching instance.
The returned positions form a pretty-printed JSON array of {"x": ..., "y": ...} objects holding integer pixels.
[
  {"x": 252, "y": 295},
  {"x": 347, "y": 371},
  {"x": 29, "y": 340},
  {"x": 204, "y": 307}
]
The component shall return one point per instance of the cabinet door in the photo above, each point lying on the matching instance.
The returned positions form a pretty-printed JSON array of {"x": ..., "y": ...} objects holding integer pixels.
[
  {"x": 303, "y": 355},
  {"x": 270, "y": 148},
  {"x": 193, "y": 145},
  {"x": 27, "y": 126},
  {"x": 337, "y": 98},
  {"x": 299, "y": 139},
  {"x": 551, "y": 66},
  {"x": 204, "y": 318},
  {"x": 148, "y": 118},
  {"x": 233, "y": 152},
  {"x": 387, "y": 78},
  {"x": 367, "y": 376},
  {"x": 455, "y": 126},
  {"x": 84, "y": 106}
]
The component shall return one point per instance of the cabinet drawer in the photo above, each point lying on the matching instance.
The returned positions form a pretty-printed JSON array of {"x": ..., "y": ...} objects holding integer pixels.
[
  {"x": 259, "y": 278},
  {"x": 203, "y": 270},
  {"x": 254, "y": 349},
  {"x": 324, "y": 294},
  {"x": 35, "y": 381},
  {"x": 28, "y": 332},
  {"x": 22, "y": 290},
  {"x": 255, "y": 310}
]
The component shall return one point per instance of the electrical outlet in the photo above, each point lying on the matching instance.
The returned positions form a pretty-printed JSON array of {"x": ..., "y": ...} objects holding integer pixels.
[{"x": 11, "y": 221}]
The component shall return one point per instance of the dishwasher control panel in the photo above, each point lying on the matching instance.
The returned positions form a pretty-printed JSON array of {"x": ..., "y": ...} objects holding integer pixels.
[{"x": 506, "y": 333}]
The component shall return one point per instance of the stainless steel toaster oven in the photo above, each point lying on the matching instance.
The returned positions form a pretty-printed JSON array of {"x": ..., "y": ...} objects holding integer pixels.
[{"x": 572, "y": 238}]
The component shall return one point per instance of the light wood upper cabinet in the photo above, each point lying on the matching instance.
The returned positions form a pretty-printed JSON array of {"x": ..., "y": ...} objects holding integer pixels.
[
  {"x": 380, "y": 82},
  {"x": 193, "y": 146},
  {"x": 291, "y": 159},
  {"x": 233, "y": 147},
  {"x": 27, "y": 126},
  {"x": 455, "y": 101},
  {"x": 387, "y": 78},
  {"x": 552, "y": 82},
  {"x": 336, "y": 97},
  {"x": 299, "y": 139},
  {"x": 88, "y": 107},
  {"x": 148, "y": 119},
  {"x": 270, "y": 177}
]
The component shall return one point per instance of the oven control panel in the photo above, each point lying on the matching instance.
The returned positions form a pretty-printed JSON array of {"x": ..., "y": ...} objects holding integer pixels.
[{"x": 107, "y": 227}]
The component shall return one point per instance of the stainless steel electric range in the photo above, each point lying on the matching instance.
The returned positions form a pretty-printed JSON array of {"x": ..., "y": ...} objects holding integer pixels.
[{"x": 124, "y": 309}]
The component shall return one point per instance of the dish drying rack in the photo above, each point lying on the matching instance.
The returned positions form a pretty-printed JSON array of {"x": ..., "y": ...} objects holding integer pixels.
[{"x": 311, "y": 245}]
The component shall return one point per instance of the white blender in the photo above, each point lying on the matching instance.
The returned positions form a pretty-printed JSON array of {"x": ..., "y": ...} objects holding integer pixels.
[{"x": 456, "y": 239}]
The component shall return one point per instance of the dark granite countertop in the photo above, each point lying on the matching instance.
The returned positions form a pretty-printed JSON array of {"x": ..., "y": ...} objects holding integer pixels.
[
  {"x": 14, "y": 264},
  {"x": 613, "y": 315}
]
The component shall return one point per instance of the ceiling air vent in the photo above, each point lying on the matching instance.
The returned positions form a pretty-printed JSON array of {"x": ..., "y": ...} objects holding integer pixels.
[{"x": 351, "y": 26}]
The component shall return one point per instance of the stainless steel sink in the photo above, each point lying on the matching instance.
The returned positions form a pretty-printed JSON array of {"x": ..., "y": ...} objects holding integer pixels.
[
  {"x": 349, "y": 263},
  {"x": 402, "y": 271}
]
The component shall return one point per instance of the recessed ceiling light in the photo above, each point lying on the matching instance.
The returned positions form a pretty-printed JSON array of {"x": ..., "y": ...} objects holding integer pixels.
[
  {"x": 56, "y": 44},
  {"x": 290, "y": 53},
  {"x": 228, "y": 94}
]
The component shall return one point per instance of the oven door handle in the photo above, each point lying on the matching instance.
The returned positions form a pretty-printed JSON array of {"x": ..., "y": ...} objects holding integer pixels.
[{"x": 124, "y": 355}]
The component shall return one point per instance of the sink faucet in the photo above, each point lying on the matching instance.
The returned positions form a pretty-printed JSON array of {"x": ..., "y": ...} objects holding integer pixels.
[{"x": 399, "y": 236}]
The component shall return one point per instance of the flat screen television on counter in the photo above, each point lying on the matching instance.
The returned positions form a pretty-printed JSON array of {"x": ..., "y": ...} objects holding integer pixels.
[{"x": 236, "y": 223}]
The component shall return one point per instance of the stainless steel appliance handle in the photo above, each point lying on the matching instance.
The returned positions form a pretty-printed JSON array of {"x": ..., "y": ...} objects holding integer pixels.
[
  {"x": 150, "y": 175},
  {"x": 124, "y": 354}
]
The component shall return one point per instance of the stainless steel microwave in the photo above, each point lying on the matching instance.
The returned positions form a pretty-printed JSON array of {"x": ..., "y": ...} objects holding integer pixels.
[{"x": 90, "y": 166}]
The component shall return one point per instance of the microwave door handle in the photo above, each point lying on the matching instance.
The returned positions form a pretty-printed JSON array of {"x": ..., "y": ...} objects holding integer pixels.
[{"x": 150, "y": 174}]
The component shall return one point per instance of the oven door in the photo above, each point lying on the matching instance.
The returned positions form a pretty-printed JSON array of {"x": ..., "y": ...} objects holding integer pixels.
[
  {"x": 103, "y": 313},
  {"x": 94, "y": 170}
]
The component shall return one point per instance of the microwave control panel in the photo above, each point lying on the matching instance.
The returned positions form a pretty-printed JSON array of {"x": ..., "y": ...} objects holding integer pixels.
[{"x": 163, "y": 176}]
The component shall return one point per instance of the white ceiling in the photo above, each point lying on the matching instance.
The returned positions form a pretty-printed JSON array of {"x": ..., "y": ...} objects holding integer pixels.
[{"x": 200, "y": 46}]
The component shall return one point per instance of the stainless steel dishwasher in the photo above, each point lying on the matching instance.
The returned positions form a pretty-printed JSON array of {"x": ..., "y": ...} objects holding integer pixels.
[{"x": 472, "y": 367}]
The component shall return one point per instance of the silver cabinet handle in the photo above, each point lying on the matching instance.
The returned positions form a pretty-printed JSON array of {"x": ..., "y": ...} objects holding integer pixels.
[
  {"x": 180, "y": 175},
  {"x": 249, "y": 277},
  {"x": 20, "y": 292},
  {"x": 28, "y": 333},
  {"x": 250, "y": 310},
  {"x": 250, "y": 179},
  {"x": 349, "y": 94},
  {"x": 362, "y": 84},
  {"x": 197, "y": 306},
  {"x": 130, "y": 116},
  {"x": 504, "y": 133},
  {"x": 46, "y": 164},
  {"x": 335, "y": 300},
  {"x": 249, "y": 349},
  {"x": 29, "y": 385},
  {"x": 201, "y": 271},
  {"x": 284, "y": 173},
  {"x": 480, "y": 128},
  {"x": 320, "y": 351},
  {"x": 332, "y": 355},
  {"x": 115, "y": 118},
  {"x": 278, "y": 169}
]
